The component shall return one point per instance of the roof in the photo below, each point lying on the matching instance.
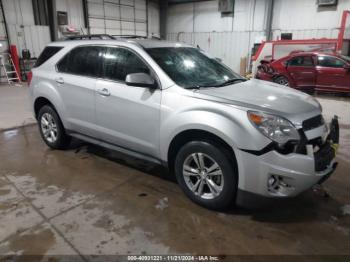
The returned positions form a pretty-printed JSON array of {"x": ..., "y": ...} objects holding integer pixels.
[
  {"x": 314, "y": 53},
  {"x": 152, "y": 43},
  {"x": 145, "y": 43}
]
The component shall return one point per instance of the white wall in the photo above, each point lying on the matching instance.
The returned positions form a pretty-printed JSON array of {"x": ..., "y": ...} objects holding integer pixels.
[
  {"x": 305, "y": 20},
  {"x": 153, "y": 18},
  {"x": 205, "y": 17},
  {"x": 231, "y": 38},
  {"x": 22, "y": 30},
  {"x": 228, "y": 38},
  {"x": 74, "y": 9},
  {"x": 26, "y": 35}
]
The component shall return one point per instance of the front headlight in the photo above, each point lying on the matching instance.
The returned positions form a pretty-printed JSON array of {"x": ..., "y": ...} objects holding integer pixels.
[{"x": 277, "y": 128}]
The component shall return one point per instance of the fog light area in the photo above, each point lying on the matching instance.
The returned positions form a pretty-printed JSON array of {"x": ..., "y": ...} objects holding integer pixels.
[{"x": 279, "y": 185}]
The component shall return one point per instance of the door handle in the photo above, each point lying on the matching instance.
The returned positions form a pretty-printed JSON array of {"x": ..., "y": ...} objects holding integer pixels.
[
  {"x": 103, "y": 92},
  {"x": 59, "y": 80}
]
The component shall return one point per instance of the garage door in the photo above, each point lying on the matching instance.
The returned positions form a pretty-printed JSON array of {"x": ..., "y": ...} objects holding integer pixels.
[{"x": 117, "y": 17}]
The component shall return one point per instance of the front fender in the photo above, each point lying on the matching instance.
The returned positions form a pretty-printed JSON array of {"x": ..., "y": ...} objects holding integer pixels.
[{"x": 236, "y": 131}]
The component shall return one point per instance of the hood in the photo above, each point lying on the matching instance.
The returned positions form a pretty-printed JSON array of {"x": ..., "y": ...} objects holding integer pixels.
[{"x": 267, "y": 97}]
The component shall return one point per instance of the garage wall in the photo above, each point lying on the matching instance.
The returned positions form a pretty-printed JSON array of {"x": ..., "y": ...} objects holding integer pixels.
[
  {"x": 153, "y": 18},
  {"x": 106, "y": 16},
  {"x": 224, "y": 37},
  {"x": 74, "y": 9},
  {"x": 22, "y": 30},
  {"x": 232, "y": 38},
  {"x": 305, "y": 20},
  {"x": 118, "y": 17}
]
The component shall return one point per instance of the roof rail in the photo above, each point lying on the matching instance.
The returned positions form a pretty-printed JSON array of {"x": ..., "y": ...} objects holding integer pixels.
[
  {"x": 90, "y": 37},
  {"x": 129, "y": 36}
]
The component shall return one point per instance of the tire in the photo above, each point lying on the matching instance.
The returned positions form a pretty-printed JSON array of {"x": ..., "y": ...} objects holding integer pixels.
[
  {"x": 48, "y": 122},
  {"x": 281, "y": 80},
  {"x": 225, "y": 184}
]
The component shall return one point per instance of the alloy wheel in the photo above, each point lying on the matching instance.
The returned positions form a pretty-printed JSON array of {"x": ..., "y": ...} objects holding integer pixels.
[
  {"x": 203, "y": 175},
  {"x": 49, "y": 127},
  {"x": 283, "y": 81}
]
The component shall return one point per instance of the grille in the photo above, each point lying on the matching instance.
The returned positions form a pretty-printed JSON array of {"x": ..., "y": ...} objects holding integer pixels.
[{"x": 313, "y": 123}]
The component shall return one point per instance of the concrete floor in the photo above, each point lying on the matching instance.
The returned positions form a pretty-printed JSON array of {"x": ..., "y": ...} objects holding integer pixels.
[
  {"x": 91, "y": 201},
  {"x": 14, "y": 106}
]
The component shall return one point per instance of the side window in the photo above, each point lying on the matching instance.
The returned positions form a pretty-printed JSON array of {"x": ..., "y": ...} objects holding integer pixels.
[
  {"x": 46, "y": 54},
  {"x": 301, "y": 61},
  {"x": 329, "y": 61},
  {"x": 119, "y": 62},
  {"x": 84, "y": 61}
]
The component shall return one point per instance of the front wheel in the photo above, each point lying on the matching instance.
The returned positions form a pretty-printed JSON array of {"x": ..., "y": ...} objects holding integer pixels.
[
  {"x": 207, "y": 174},
  {"x": 282, "y": 81}
]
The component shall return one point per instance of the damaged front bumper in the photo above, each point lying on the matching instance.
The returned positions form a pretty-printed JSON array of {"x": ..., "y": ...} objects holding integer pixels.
[{"x": 277, "y": 175}]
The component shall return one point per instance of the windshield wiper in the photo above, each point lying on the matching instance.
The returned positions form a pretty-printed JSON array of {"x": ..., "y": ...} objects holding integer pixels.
[
  {"x": 193, "y": 87},
  {"x": 230, "y": 81}
]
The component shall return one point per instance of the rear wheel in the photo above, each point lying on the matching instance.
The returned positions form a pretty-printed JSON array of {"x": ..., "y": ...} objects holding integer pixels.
[
  {"x": 51, "y": 128},
  {"x": 282, "y": 81},
  {"x": 206, "y": 173}
]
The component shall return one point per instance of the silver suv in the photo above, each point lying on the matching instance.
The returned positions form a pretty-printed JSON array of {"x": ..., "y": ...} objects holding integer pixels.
[{"x": 225, "y": 138}]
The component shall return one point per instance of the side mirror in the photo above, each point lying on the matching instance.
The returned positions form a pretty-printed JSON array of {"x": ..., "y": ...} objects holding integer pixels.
[
  {"x": 346, "y": 67},
  {"x": 140, "y": 80},
  {"x": 218, "y": 59}
]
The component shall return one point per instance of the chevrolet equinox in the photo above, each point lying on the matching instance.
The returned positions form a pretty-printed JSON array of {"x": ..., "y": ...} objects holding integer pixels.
[{"x": 226, "y": 139}]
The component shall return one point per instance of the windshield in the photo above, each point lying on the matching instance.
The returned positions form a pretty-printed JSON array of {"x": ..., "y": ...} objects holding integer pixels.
[{"x": 191, "y": 68}]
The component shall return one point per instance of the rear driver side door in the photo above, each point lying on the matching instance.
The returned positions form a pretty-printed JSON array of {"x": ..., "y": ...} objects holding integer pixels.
[
  {"x": 331, "y": 74},
  {"x": 302, "y": 70},
  {"x": 75, "y": 80}
]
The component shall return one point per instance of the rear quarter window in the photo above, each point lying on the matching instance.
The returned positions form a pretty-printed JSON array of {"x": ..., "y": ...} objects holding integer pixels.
[{"x": 46, "y": 54}]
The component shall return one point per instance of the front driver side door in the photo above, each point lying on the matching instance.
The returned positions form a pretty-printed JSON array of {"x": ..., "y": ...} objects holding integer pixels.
[
  {"x": 127, "y": 116},
  {"x": 302, "y": 70}
]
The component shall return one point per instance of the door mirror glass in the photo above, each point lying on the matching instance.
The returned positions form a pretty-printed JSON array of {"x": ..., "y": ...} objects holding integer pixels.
[{"x": 141, "y": 80}]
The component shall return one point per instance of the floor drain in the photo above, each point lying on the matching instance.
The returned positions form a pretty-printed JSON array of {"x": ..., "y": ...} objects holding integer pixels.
[{"x": 142, "y": 194}]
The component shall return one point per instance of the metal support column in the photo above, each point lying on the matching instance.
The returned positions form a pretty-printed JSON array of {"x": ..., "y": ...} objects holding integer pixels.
[
  {"x": 163, "y": 8},
  {"x": 269, "y": 19},
  {"x": 86, "y": 16},
  {"x": 53, "y": 23}
]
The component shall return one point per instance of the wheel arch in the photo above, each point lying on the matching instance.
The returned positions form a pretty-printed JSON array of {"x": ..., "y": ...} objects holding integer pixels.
[
  {"x": 39, "y": 103},
  {"x": 186, "y": 136},
  {"x": 45, "y": 93}
]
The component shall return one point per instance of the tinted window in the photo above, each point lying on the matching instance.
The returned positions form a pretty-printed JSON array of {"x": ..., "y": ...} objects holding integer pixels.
[
  {"x": 85, "y": 61},
  {"x": 301, "y": 61},
  {"x": 190, "y": 67},
  {"x": 329, "y": 61},
  {"x": 119, "y": 62},
  {"x": 46, "y": 54}
]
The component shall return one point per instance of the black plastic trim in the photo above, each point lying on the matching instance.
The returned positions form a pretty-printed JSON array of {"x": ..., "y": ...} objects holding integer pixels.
[{"x": 266, "y": 149}]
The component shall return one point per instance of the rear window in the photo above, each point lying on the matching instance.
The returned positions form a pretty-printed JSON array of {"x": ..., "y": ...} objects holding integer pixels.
[
  {"x": 83, "y": 61},
  {"x": 48, "y": 52}
]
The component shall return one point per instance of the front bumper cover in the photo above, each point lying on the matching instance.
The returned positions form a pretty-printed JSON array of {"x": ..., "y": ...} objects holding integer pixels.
[{"x": 300, "y": 171}]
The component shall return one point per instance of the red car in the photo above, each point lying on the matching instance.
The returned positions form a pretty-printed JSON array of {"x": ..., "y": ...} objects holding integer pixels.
[{"x": 309, "y": 71}]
